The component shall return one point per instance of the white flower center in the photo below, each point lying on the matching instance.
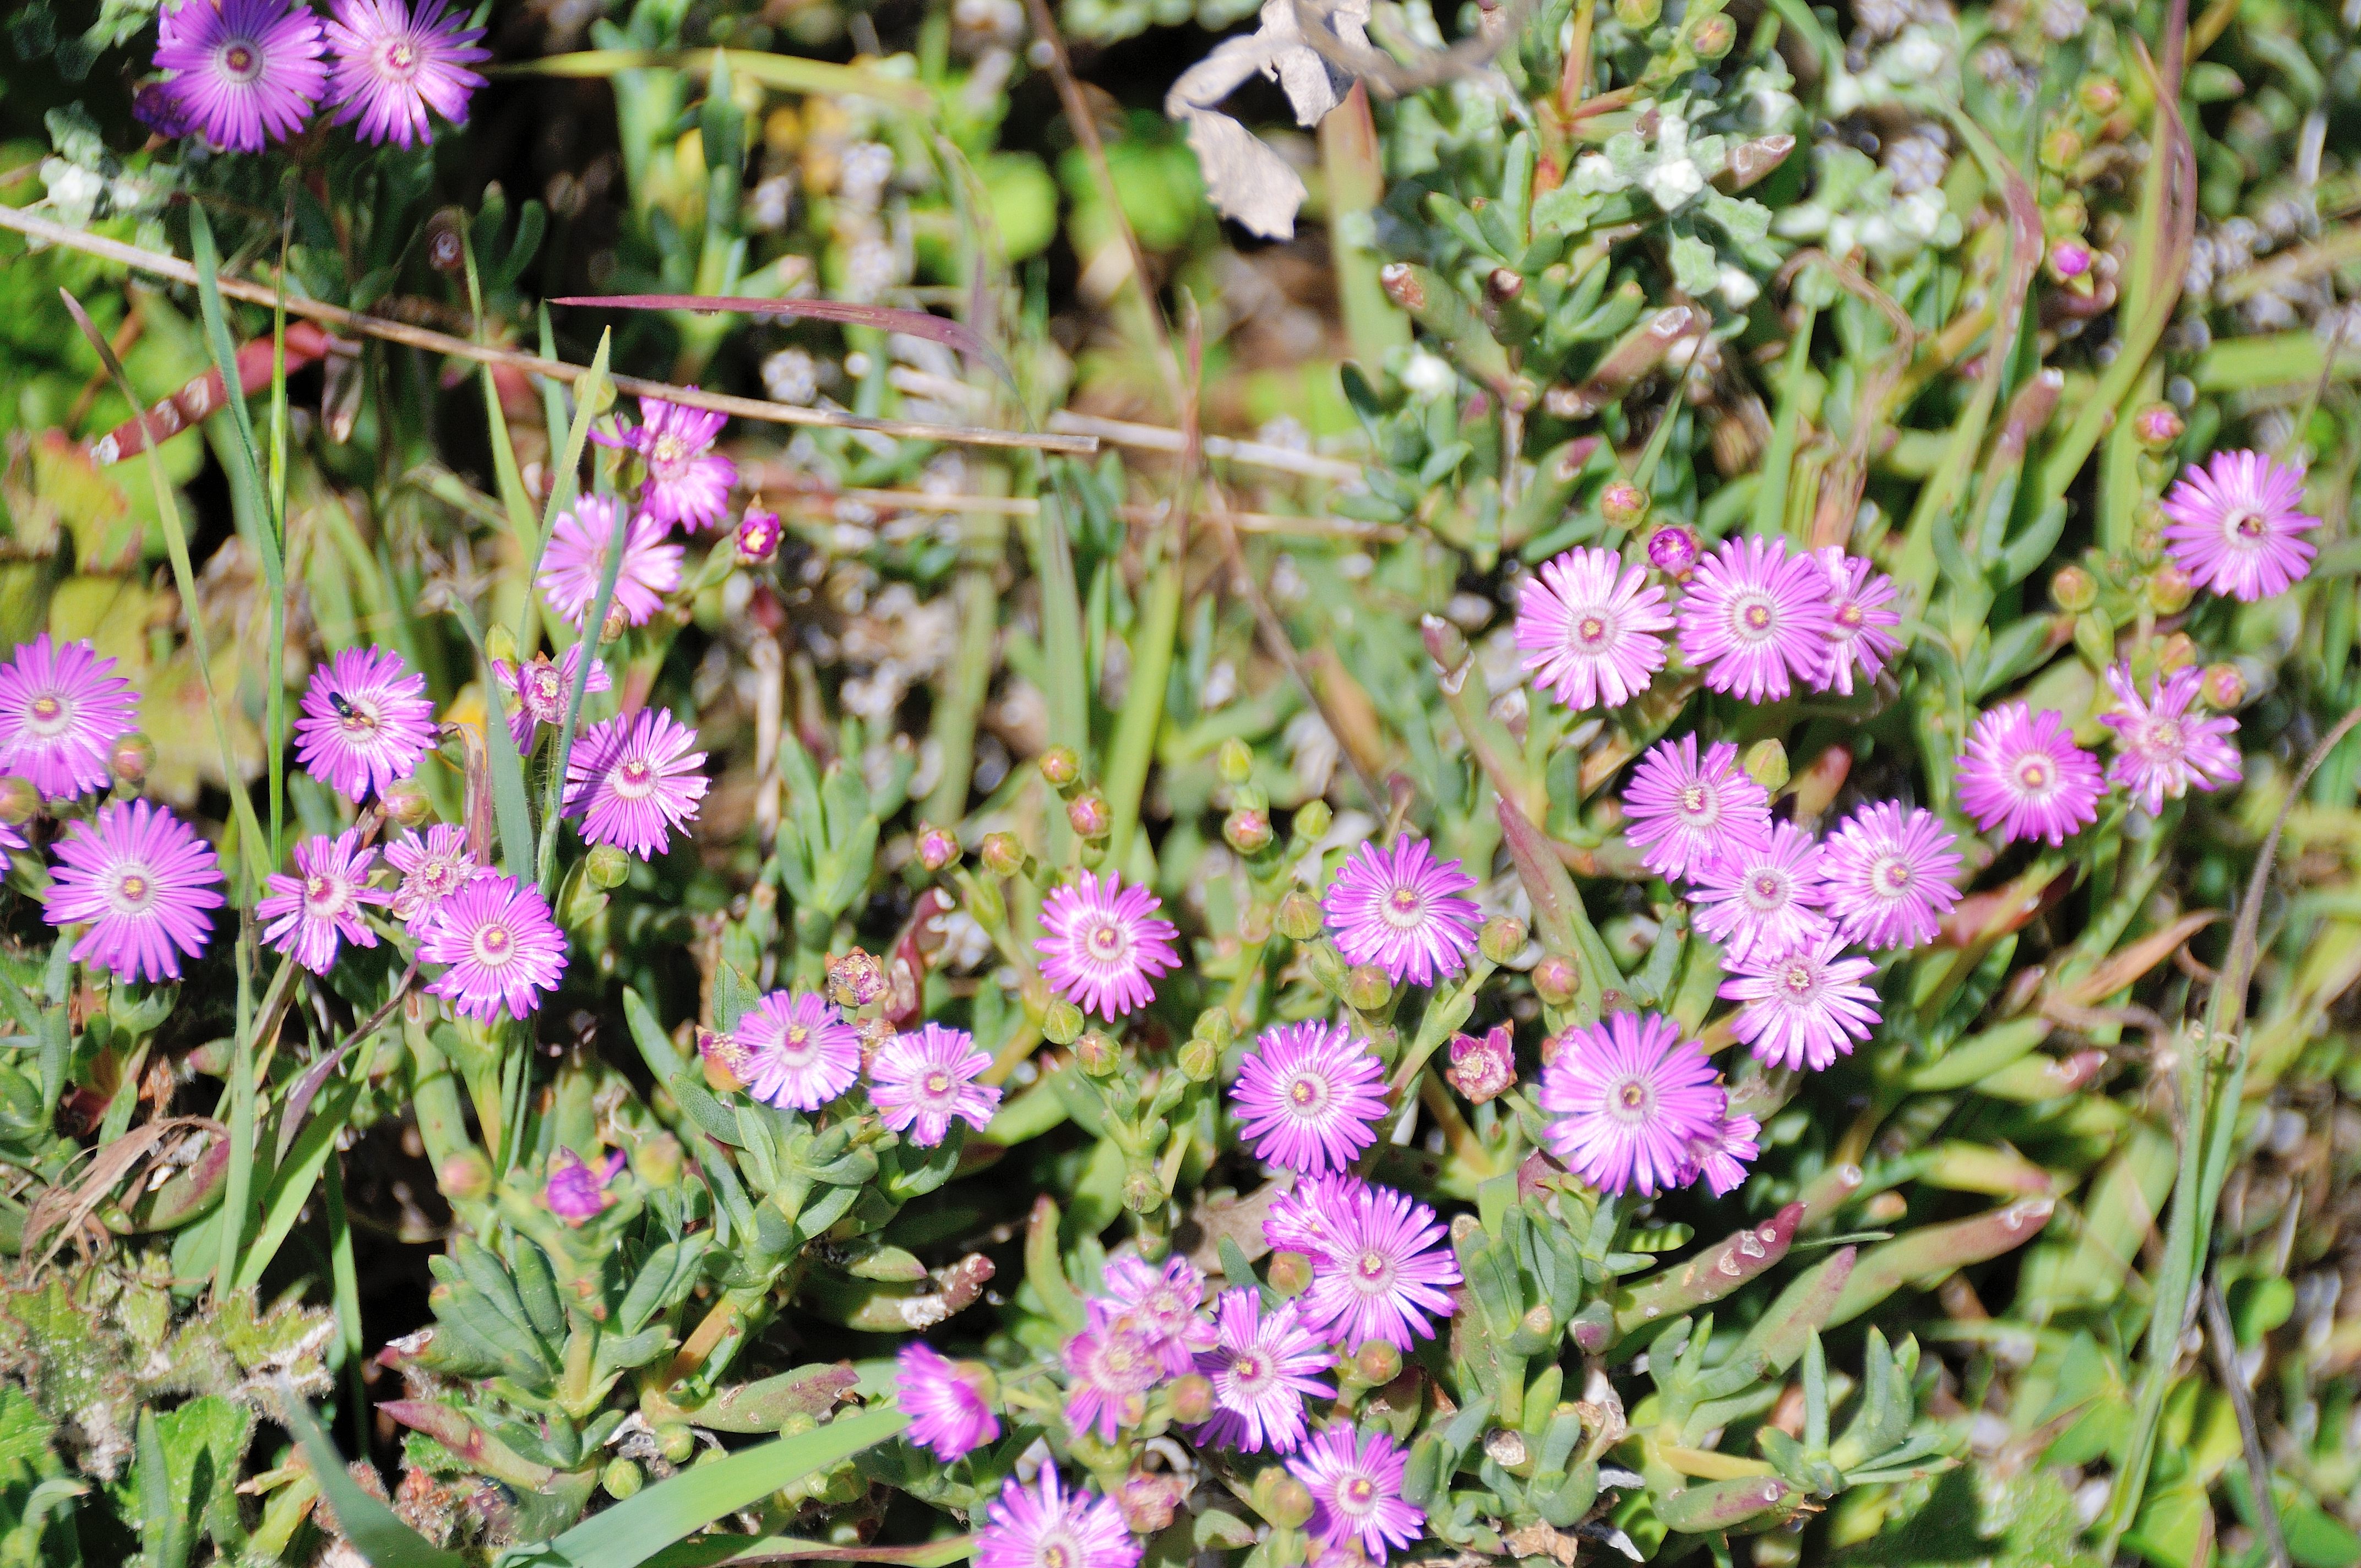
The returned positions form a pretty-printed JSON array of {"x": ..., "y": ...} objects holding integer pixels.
[
  {"x": 2036, "y": 775},
  {"x": 1766, "y": 891},
  {"x": 1631, "y": 1102},
  {"x": 634, "y": 779},
  {"x": 400, "y": 60},
  {"x": 241, "y": 61},
  {"x": 1590, "y": 631},
  {"x": 937, "y": 1083},
  {"x": 494, "y": 946},
  {"x": 1402, "y": 909},
  {"x": 2243, "y": 527},
  {"x": 1106, "y": 942},
  {"x": 135, "y": 890},
  {"x": 2161, "y": 737},
  {"x": 1890, "y": 875},
  {"x": 1753, "y": 617},
  {"x": 48, "y": 715},
  {"x": 1699, "y": 806},
  {"x": 325, "y": 896},
  {"x": 1308, "y": 1094},
  {"x": 1799, "y": 978}
]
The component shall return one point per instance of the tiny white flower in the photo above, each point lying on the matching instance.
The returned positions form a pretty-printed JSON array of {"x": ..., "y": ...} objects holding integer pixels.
[
  {"x": 1739, "y": 288},
  {"x": 1428, "y": 375},
  {"x": 1674, "y": 183}
]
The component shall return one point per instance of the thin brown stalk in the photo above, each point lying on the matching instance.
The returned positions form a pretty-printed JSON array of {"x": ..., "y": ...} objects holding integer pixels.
[
  {"x": 1156, "y": 438},
  {"x": 2225, "y": 1343},
  {"x": 790, "y": 488}
]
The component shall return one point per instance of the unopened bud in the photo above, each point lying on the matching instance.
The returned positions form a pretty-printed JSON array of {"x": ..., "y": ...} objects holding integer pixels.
[
  {"x": 2224, "y": 686},
  {"x": 446, "y": 251},
  {"x": 1482, "y": 1068},
  {"x": 1622, "y": 503},
  {"x": 1674, "y": 549},
  {"x": 1376, "y": 1364},
  {"x": 2170, "y": 589},
  {"x": 2101, "y": 95},
  {"x": 1766, "y": 765},
  {"x": 1235, "y": 762},
  {"x": 1062, "y": 1025},
  {"x": 1312, "y": 820},
  {"x": 1290, "y": 1273},
  {"x": 466, "y": 1176},
  {"x": 1556, "y": 980},
  {"x": 1200, "y": 1060},
  {"x": 607, "y": 866},
  {"x": 1502, "y": 938},
  {"x": 405, "y": 804},
  {"x": 856, "y": 979},
  {"x": 1097, "y": 1053},
  {"x": 758, "y": 533},
  {"x": 1402, "y": 286},
  {"x": 130, "y": 758},
  {"x": 728, "y": 1065},
  {"x": 1247, "y": 830},
  {"x": 1192, "y": 1398},
  {"x": 1216, "y": 1023},
  {"x": 674, "y": 1440},
  {"x": 1638, "y": 14},
  {"x": 1299, "y": 917},
  {"x": 2157, "y": 426},
  {"x": 657, "y": 1160},
  {"x": 1712, "y": 37},
  {"x": 1002, "y": 854},
  {"x": 2060, "y": 149},
  {"x": 1282, "y": 1499},
  {"x": 939, "y": 848},
  {"x": 2073, "y": 590},
  {"x": 1059, "y": 767},
  {"x": 1367, "y": 989},
  {"x": 18, "y": 800},
  {"x": 622, "y": 1478},
  {"x": 1504, "y": 283},
  {"x": 615, "y": 625},
  {"x": 1089, "y": 815},
  {"x": 2068, "y": 259}
]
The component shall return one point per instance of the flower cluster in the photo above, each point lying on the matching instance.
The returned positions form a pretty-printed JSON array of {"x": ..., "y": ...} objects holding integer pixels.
[{"x": 244, "y": 72}]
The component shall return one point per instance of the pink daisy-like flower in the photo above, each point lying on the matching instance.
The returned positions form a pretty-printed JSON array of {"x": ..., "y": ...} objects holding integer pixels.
[
  {"x": 394, "y": 64},
  {"x": 502, "y": 947},
  {"x": 1308, "y": 1097},
  {"x": 544, "y": 689},
  {"x": 1722, "y": 1158},
  {"x": 1889, "y": 875},
  {"x": 1386, "y": 1272},
  {"x": 1761, "y": 898},
  {"x": 2161, "y": 747},
  {"x": 1403, "y": 911},
  {"x": 633, "y": 779},
  {"x": 1860, "y": 624},
  {"x": 144, "y": 882},
  {"x": 1106, "y": 943},
  {"x": 1756, "y": 616},
  {"x": 1805, "y": 1008},
  {"x": 1356, "y": 1481},
  {"x": 310, "y": 914},
  {"x": 1627, "y": 1096},
  {"x": 924, "y": 1079},
  {"x": 1161, "y": 1305},
  {"x": 950, "y": 1411},
  {"x": 2023, "y": 774},
  {"x": 2237, "y": 525},
  {"x": 244, "y": 70},
  {"x": 432, "y": 868},
  {"x": 1304, "y": 1219},
  {"x": 1046, "y": 1526},
  {"x": 800, "y": 1050},
  {"x": 62, "y": 706},
  {"x": 1589, "y": 626},
  {"x": 366, "y": 720},
  {"x": 688, "y": 483},
  {"x": 575, "y": 564},
  {"x": 1682, "y": 813},
  {"x": 576, "y": 1191},
  {"x": 1110, "y": 1367},
  {"x": 1261, "y": 1367}
]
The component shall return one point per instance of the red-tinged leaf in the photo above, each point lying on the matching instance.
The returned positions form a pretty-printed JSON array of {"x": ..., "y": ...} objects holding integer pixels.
[
  {"x": 197, "y": 402},
  {"x": 916, "y": 324}
]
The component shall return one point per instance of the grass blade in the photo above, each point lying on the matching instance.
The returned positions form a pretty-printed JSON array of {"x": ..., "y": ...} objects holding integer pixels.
[
  {"x": 372, "y": 1528},
  {"x": 554, "y": 806},
  {"x": 593, "y": 395},
  {"x": 788, "y": 73},
  {"x": 509, "y": 811}
]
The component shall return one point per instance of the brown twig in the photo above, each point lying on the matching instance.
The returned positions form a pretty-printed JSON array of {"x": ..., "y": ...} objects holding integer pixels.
[
  {"x": 1156, "y": 438},
  {"x": 2259, "y": 1469}
]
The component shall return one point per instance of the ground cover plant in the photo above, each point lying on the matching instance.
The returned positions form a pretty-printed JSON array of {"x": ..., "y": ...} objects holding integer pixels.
[{"x": 1167, "y": 785}]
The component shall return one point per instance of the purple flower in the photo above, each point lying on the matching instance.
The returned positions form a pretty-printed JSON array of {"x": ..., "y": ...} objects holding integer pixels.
[
  {"x": 1048, "y": 1527},
  {"x": 1761, "y": 898},
  {"x": 1304, "y": 1220},
  {"x": 502, "y": 947},
  {"x": 1674, "y": 549},
  {"x": 11, "y": 837},
  {"x": 633, "y": 779},
  {"x": 310, "y": 914},
  {"x": 1402, "y": 911},
  {"x": 575, "y": 564},
  {"x": 143, "y": 881},
  {"x": 1805, "y": 1008},
  {"x": 1721, "y": 1156},
  {"x": 1106, "y": 943},
  {"x": 1110, "y": 1367},
  {"x": 1160, "y": 1305},
  {"x": 758, "y": 533},
  {"x": 2237, "y": 525},
  {"x": 1860, "y": 635},
  {"x": 543, "y": 690},
  {"x": 1588, "y": 626},
  {"x": 432, "y": 868},
  {"x": 366, "y": 720},
  {"x": 926, "y": 1077},
  {"x": 1683, "y": 814},
  {"x": 62, "y": 706},
  {"x": 1308, "y": 1095},
  {"x": 155, "y": 105},
  {"x": 1483, "y": 1069},
  {"x": 2161, "y": 747},
  {"x": 1356, "y": 1482},
  {"x": 688, "y": 484},
  {"x": 1261, "y": 1367},
  {"x": 1627, "y": 1096},
  {"x": 1755, "y": 616},
  {"x": 1385, "y": 1272},
  {"x": 2023, "y": 774},
  {"x": 393, "y": 65},
  {"x": 949, "y": 1410},
  {"x": 1889, "y": 875},
  {"x": 576, "y": 1193},
  {"x": 800, "y": 1050},
  {"x": 246, "y": 70}
]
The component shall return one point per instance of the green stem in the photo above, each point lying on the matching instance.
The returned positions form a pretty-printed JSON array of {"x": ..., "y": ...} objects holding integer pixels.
[
  {"x": 1142, "y": 709},
  {"x": 964, "y": 687}
]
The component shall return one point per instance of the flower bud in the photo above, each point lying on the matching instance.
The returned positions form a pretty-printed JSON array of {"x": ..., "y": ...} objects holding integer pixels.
[
  {"x": 2073, "y": 590},
  {"x": 1623, "y": 503},
  {"x": 1299, "y": 917},
  {"x": 1376, "y": 1364},
  {"x": 939, "y": 848},
  {"x": 2068, "y": 259},
  {"x": 2062, "y": 147},
  {"x": 1247, "y": 830},
  {"x": 446, "y": 250},
  {"x": 2170, "y": 589},
  {"x": 1712, "y": 37},
  {"x": 405, "y": 804},
  {"x": 1401, "y": 284},
  {"x": 1192, "y": 1399},
  {"x": 2157, "y": 426},
  {"x": 615, "y": 625},
  {"x": 1502, "y": 938},
  {"x": 1503, "y": 284},
  {"x": 2100, "y": 95},
  {"x": 1235, "y": 762},
  {"x": 1148, "y": 1501},
  {"x": 1482, "y": 1069},
  {"x": 1281, "y": 1498},
  {"x": 607, "y": 866},
  {"x": 1367, "y": 989},
  {"x": 2224, "y": 686},
  {"x": 1200, "y": 1060},
  {"x": 674, "y": 1440},
  {"x": 758, "y": 533},
  {"x": 1142, "y": 1194},
  {"x": 1097, "y": 1053},
  {"x": 856, "y": 979},
  {"x": 1766, "y": 765},
  {"x": 18, "y": 800},
  {"x": 622, "y": 1478},
  {"x": 1312, "y": 820},
  {"x": 1254, "y": 926},
  {"x": 657, "y": 1161},
  {"x": 1674, "y": 549},
  {"x": 1556, "y": 980},
  {"x": 1002, "y": 853},
  {"x": 1089, "y": 815},
  {"x": 130, "y": 758},
  {"x": 466, "y": 1176},
  {"x": 1216, "y": 1023},
  {"x": 1059, "y": 767},
  {"x": 1638, "y": 14},
  {"x": 728, "y": 1065},
  {"x": 1290, "y": 1273},
  {"x": 1062, "y": 1025}
]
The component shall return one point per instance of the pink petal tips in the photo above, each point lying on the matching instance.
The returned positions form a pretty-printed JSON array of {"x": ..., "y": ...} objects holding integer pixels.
[
  {"x": 314, "y": 912},
  {"x": 1105, "y": 944},
  {"x": 633, "y": 780},
  {"x": 1309, "y": 1096},
  {"x": 503, "y": 950},
  {"x": 1627, "y": 1097},
  {"x": 575, "y": 564},
  {"x": 1404, "y": 912},
  {"x": 62, "y": 706},
  {"x": 924, "y": 1080},
  {"x": 1046, "y": 1526},
  {"x": 1889, "y": 873},
  {"x": 366, "y": 721},
  {"x": 2161, "y": 747},
  {"x": 1805, "y": 1008},
  {"x": 243, "y": 70},
  {"x": 950, "y": 1409},
  {"x": 2023, "y": 776},
  {"x": 2237, "y": 525},
  {"x": 143, "y": 881},
  {"x": 799, "y": 1050},
  {"x": 1588, "y": 626},
  {"x": 1755, "y": 617},
  {"x": 394, "y": 64},
  {"x": 1684, "y": 812}
]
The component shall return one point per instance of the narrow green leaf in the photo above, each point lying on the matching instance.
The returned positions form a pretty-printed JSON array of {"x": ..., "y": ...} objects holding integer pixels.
[
  {"x": 592, "y": 397},
  {"x": 373, "y": 1529},
  {"x": 290, "y": 1188},
  {"x": 510, "y": 812},
  {"x": 163, "y": 1531},
  {"x": 591, "y": 628}
]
